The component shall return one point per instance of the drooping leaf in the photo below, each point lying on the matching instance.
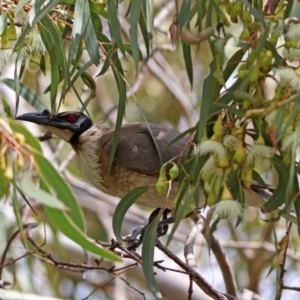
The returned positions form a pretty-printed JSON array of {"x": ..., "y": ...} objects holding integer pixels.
[
  {"x": 123, "y": 206},
  {"x": 59, "y": 68},
  {"x": 187, "y": 55},
  {"x": 27, "y": 94},
  {"x": 148, "y": 248},
  {"x": 40, "y": 10},
  {"x": 118, "y": 73},
  {"x": 135, "y": 11},
  {"x": 279, "y": 196},
  {"x": 83, "y": 28},
  {"x": 113, "y": 24},
  {"x": 29, "y": 188}
]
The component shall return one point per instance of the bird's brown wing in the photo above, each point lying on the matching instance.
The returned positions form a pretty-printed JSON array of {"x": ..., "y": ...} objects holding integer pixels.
[{"x": 136, "y": 150}]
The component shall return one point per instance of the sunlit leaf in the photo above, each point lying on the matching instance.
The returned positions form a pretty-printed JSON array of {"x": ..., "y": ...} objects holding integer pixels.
[
  {"x": 39, "y": 195},
  {"x": 83, "y": 27},
  {"x": 39, "y": 10}
]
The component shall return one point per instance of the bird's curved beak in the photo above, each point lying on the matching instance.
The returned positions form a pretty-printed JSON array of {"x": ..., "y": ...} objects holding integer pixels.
[{"x": 43, "y": 118}]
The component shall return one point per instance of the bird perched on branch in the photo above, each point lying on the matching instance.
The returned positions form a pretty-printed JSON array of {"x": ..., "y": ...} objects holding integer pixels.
[{"x": 137, "y": 161}]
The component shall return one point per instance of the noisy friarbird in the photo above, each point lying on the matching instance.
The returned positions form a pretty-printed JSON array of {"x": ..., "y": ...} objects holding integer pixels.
[{"x": 136, "y": 162}]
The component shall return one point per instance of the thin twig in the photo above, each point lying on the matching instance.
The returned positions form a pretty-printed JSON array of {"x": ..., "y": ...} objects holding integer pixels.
[
  {"x": 10, "y": 240},
  {"x": 281, "y": 267}
]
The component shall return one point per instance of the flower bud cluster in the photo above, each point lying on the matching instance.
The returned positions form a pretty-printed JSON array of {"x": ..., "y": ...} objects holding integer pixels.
[
  {"x": 11, "y": 156},
  {"x": 163, "y": 181},
  {"x": 32, "y": 46},
  {"x": 227, "y": 152}
]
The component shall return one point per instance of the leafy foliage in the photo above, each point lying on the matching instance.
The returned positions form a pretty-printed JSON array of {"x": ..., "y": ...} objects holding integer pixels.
[{"x": 246, "y": 107}]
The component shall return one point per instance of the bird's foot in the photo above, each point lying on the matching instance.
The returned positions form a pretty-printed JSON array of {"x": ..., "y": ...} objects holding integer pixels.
[{"x": 137, "y": 235}]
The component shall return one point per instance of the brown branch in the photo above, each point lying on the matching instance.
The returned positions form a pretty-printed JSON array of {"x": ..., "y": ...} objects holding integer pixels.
[
  {"x": 14, "y": 235},
  {"x": 223, "y": 263},
  {"x": 282, "y": 268},
  {"x": 197, "y": 278}
]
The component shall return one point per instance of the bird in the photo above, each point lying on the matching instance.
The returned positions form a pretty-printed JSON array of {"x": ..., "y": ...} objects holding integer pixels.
[{"x": 137, "y": 161}]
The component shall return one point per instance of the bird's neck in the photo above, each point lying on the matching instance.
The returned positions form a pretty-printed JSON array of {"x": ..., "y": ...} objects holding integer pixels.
[{"x": 88, "y": 151}]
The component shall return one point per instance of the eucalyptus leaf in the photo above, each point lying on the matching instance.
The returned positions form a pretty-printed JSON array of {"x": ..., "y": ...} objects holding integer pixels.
[
  {"x": 39, "y": 195},
  {"x": 125, "y": 203},
  {"x": 148, "y": 248}
]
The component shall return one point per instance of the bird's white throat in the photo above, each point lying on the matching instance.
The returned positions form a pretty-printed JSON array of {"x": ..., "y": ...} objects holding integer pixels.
[{"x": 89, "y": 158}]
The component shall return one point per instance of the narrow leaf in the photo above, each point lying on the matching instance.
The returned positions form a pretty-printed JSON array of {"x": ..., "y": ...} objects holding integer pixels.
[
  {"x": 123, "y": 206},
  {"x": 39, "y": 195},
  {"x": 187, "y": 55},
  {"x": 113, "y": 24},
  {"x": 26, "y": 93},
  {"x": 20, "y": 6},
  {"x": 65, "y": 224},
  {"x": 54, "y": 181},
  {"x": 279, "y": 196},
  {"x": 36, "y": 13},
  {"x": 148, "y": 247},
  {"x": 135, "y": 11}
]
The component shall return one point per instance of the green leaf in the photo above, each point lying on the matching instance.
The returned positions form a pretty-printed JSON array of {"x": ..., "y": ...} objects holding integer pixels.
[
  {"x": 37, "y": 12},
  {"x": 184, "y": 13},
  {"x": 181, "y": 209},
  {"x": 3, "y": 22},
  {"x": 52, "y": 40},
  {"x": 6, "y": 108},
  {"x": 54, "y": 181},
  {"x": 20, "y": 6},
  {"x": 65, "y": 224},
  {"x": 280, "y": 194},
  {"x": 113, "y": 24},
  {"x": 121, "y": 110},
  {"x": 148, "y": 8},
  {"x": 235, "y": 186},
  {"x": 144, "y": 31},
  {"x": 39, "y": 195},
  {"x": 122, "y": 208},
  {"x": 256, "y": 177},
  {"x": 210, "y": 92},
  {"x": 83, "y": 27},
  {"x": 27, "y": 94},
  {"x": 148, "y": 247},
  {"x": 187, "y": 55},
  {"x": 256, "y": 14},
  {"x": 135, "y": 11},
  {"x": 106, "y": 64}
]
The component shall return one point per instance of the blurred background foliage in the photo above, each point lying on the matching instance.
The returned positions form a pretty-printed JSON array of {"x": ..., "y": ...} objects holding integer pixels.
[{"x": 227, "y": 69}]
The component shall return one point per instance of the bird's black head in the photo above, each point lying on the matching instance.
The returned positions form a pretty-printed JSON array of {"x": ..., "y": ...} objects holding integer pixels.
[{"x": 67, "y": 125}]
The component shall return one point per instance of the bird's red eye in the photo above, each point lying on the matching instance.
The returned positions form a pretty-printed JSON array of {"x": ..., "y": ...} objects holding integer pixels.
[{"x": 71, "y": 118}]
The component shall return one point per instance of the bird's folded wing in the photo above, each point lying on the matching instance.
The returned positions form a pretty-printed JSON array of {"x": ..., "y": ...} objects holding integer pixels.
[{"x": 137, "y": 151}]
